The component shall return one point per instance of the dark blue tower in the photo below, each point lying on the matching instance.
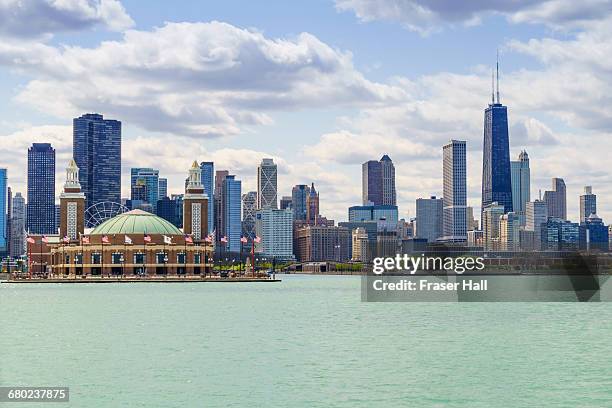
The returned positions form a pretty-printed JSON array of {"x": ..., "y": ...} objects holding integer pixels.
[
  {"x": 496, "y": 181},
  {"x": 41, "y": 189},
  {"x": 97, "y": 151}
]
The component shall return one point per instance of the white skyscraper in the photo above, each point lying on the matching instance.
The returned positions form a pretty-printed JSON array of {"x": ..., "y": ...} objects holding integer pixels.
[
  {"x": 267, "y": 188},
  {"x": 275, "y": 228},
  {"x": 455, "y": 191},
  {"x": 18, "y": 226},
  {"x": 521, "y": 185}
]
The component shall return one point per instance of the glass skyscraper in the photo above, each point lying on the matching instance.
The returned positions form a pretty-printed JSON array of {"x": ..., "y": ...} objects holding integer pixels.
[
  {"x": 232, "y": 200},
  {"x": 378, "y": 182},
  {"x": 3, "y": 208},
  {"x": 455, "y": 191},
  {"x": 97, "y": 151},
  {"x": 496, "y": 176},
  {"x": 41, "y": 189},
  {"x": 299, "y": 193},
  {"x": 150, "y": 177},
  {"x": 267, "y": 187},
  {"x": 208, "y": 181},
  {"x": 521, "y": 185}
]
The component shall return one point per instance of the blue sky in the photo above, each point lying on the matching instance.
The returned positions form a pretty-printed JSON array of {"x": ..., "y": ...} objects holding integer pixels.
[{"x": 321, "y": 86}]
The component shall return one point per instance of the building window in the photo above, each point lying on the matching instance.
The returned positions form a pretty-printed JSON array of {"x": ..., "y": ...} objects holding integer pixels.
[
  {"x": 96, "y": 259},
  {"x": 197, "y": 259},
  {"x": 139, "y": 258},
  {"x": 161, "y": 257},
  {"x": 78, "y": 259},
  {"x": 180, "y": 258},
  {"x": 117, "y": 258}
]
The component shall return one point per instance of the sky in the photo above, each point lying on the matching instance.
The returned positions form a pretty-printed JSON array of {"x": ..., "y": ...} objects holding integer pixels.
[{"x": 320, "y": 86}]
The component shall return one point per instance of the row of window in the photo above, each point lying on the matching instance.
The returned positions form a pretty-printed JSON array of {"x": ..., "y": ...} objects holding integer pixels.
[{"x": 139, "y": 258}]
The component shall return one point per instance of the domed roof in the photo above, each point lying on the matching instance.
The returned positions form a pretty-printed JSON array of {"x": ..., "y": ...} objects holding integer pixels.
[{"x": 136, "y": 222}]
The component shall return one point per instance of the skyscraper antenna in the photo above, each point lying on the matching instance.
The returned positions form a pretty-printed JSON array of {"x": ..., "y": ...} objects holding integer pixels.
[
  {"x": 497, "y": 69},
  {"x": 492, "y": 88}
]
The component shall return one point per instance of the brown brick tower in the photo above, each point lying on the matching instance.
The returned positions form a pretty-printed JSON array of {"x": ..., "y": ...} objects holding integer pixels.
[
  {"x": 72, "y": 205},
  {"x": 195, "y": 205}
]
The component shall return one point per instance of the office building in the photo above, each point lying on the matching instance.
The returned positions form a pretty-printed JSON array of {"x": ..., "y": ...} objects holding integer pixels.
[
  {"x": 560, "y": 235},
  {"x": 219, "y": 211},
  {"x": 509, "y": 232},
  {"x": 275, "y": 228},
  {"x": 267, "y": 187},
  {"x": 285, "y": 203},
  {"x": 491, "y": 217},
  {"x": 41, "y": 189},
  {"x": 472, "y": 224},
  {"x": 593, "y": 234},
  {"x": 359, "y": 250},
  {"x": 378, "y": 182},
  {"x": 249, "y": 209},
  {"x": 149, "y": 178},
  {"x": 588, "y": 204},
  {"x": 536, "y": 215},
  {"x": 208, "y": 181},
  {"x": 9, "y": 209},
  {"x": 455, "y": 191},
  {"x": 18, "y": 226},
  {"x": 162, "y": 188},
  {"x": 521, "y": 185},
  {"x": 371, "y": 230},
  {"x": 556, "y": 199},
  {"x": 318, "y": 243},
  {"x": 299, "y": 194},
  {"x": 312, "y": 206},
  {"x": 373, "y": 213},
  {"x": 429, "y": 218},
  {"x": 232, "y": 220},
  {"x": 97, "y": 151},
  {"x": 496, "y": 177},
  {"x": 171, "y": 210},
  {"x": 3, "y": 210}
]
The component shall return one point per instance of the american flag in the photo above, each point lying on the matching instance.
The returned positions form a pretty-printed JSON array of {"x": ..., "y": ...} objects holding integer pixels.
[
  {"x": 128, "y": 240},
  {"x": 45, "y": 239},
  {"x": 188, "y": 239},
  {"x": 105, "y": 240},
  {"x": 31, "y": 240},
  {"x": 147, "y": 238},
  {"x": 244, "y": 240},
  {"x": 224, "y": 240},
  {"x": 257, "y": 240},
  {"x": 86, "y": 240},
  {"x": 66, "y": 239},
  {"x": 209, "y": 238}
]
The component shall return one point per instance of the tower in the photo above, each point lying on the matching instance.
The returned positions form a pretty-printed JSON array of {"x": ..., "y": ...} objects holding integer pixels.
[
  {"x": 521, "y": 185},
  {"x": 378, "y": 182},
  {"x": 299, "y": 194},
  {"x": 455, "y": 191},
  {"x": 312, "y": 206},
  {"x": 556, "y": 199},
  {"x": 41, "y": 189},
  {"x": 496, "y": 177},
  {"x": 72, "y": 205},
  {"x": 195, "y": 205},
  {"x": 267, "y": 188},
  {"x": 588, "y": 204}
]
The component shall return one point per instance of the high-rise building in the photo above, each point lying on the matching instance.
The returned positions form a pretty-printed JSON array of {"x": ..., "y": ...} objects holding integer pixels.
[
  {"x": 373, "y": 213},
  {"x": 275, "y": 228},
  {"x": 359, "y": 238},
  {"x": 472, "y": 224},
  {"x": 536, "y": 215},
  {"x": 509, "y": 232},
  {"x": 560, "y": 235},
  {"x": 18, "y": 226},
  {"x": 521, "y": 185},
  {"x": 455, "y": 191},
  {"x": 208, "y": 180},
  {"x": 9, "y": 209},
  {"x": 41, "y": 189},
  {"x": 556, "y": 199},
  {"x": 588, "y": 204},
  {"x": 491, "y": 218},
  {"x": 249, "y": 208},
  {"x": 219, "y": 229},
  {"x": 195, "y": 205},
  {"x": 593, "y": 234},
  {"x": 3, "y": 208},
  {"x": 171, "y": 209},
  {"x": 232, "y": 222},
  {"x": 429, "y": 218},
  {"x": 267, "y": 188},
  {"x": 285, "y": 203},
  {"x": 496, "y": 178},
  {"x": 150, "y": 177},
  {"x": 312, "y": 206},
  {"x": 97, "y": 151},
  {"x": 139, "y": 193},
  {"x": 162, "y": 188},
  {"x": 318, "y": 243},
  {"x": 378, "y": 182},
  {"x": 299, "y": 194}
]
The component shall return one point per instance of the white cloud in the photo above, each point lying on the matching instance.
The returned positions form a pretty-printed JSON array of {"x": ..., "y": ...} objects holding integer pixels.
[
  {"x": 35, "y": 18},
  {"x": 193, "y": 79}
]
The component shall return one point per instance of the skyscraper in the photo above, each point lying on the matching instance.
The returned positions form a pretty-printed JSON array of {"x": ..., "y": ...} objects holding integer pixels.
[
  {"x": 556, "y": 199},
  {"x": 3, "y": 208},
  {"x": 312, "y": 206},
  {"x": 41, "y": 189},
  {"x": 455, "y": 191},
  {"x": 275, "y": 228},
  {"x": 429, "y": 216},
  {"x": 18, "y": 225},
  {"x": 232, "y": 199},
  {"x": 267, "y": 188},
  {"x": 249, "y": 208},
  {"x": 151, "y": 180},
  {"x": 219, "y": 229},
  {"x": 536, "y": 214},
  {"x": 9, "y": 209},
  {"x": 521, "y": 185},
  {"x": 496, "y": 178},
  {"x": 162, "y": 188},
  {"x": 378, "y": 182},
  {"x": 285, "y": 202},
  {"x": 299, "y": 193},
  {"x": 588, "y": 204},
  {"x": 97, "y": 151},
  {"x": 208, "y": 180},
  {"x": 491, "y": 222}
]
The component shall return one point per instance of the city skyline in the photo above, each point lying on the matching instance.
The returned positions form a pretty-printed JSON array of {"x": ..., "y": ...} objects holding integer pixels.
[{"x": 332, "y": 134}]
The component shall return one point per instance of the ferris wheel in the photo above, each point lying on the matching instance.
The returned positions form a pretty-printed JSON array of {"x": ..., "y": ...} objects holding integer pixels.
[{"x": 102, "y": 211}]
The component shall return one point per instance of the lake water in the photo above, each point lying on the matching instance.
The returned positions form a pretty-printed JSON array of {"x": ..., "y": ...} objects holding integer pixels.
[{"x": 305, "y": 342}]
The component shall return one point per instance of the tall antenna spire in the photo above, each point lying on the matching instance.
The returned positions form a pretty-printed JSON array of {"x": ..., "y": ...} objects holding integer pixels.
[
  {"x": 492, "y": 88},
  {"x": 497, "y": 69}
]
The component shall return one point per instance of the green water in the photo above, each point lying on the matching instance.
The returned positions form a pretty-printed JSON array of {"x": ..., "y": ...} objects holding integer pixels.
[{"x": 305, "y": 342}]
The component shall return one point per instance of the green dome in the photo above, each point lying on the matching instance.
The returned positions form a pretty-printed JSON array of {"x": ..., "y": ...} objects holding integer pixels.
[{"x": 136, "y": 222}]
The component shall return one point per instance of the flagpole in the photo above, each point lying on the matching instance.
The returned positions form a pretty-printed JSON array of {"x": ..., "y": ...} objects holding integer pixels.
[{"x": 102, "y": 259}]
